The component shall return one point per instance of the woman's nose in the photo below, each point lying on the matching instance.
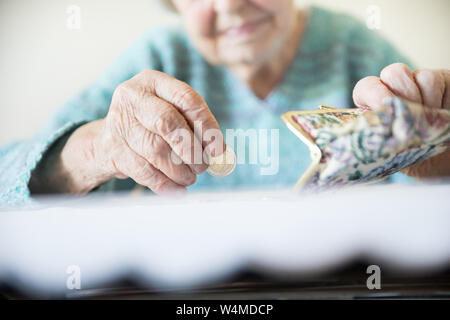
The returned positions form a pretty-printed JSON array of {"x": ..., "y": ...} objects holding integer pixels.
[{"x": 228, "y": 5}]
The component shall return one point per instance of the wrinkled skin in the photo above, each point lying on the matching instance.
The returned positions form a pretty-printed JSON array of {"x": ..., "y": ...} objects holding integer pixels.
[
  {"x": 430, "y": 88},
  {"x": 141, "y": 131}
]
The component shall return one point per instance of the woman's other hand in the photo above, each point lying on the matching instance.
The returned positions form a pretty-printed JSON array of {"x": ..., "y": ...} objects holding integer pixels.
[{"x": 430, "y": 88}]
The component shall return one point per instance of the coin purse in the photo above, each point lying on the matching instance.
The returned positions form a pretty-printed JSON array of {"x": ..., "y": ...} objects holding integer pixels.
[{"x": 350, "y": 146}]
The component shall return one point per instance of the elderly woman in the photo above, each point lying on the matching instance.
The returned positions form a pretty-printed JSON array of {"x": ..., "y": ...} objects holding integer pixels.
[{"x": 236, "y": 64}]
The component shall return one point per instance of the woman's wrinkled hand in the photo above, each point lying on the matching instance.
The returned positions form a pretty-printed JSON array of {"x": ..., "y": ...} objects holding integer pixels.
[
  {"x": 430, "y": 88},
  {"x": 149, "y": 136}
]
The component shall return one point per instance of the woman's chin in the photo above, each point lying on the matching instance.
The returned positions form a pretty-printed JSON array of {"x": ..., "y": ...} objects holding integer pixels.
[
  {"x": 245, "y": 53},
  {"x": 251, "y": 52}
]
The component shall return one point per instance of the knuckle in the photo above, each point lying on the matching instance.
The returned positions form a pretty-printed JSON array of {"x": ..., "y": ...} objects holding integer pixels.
[
  {"x": 186, "y": 97},
  {"x": 160, "y": 186},
  {"x": 146, "y": 173},
  {"x": 152, "y": 77},
  {"x": 156, "y": 145},
  {"x": 430, "y": 77},
  {"x": 147, "y": 76},
  {"x": 146, "y": 73},
  {"x": 394, "y": 70},
  {"x": 123, "y": 99},
  {"x": 425, "y": 73},
  {"x": 166, "y": 122},
  {"x": 122, "y": 91},
  {"x": 131, "y": 91},
  {"x": 211, "y": 125}
]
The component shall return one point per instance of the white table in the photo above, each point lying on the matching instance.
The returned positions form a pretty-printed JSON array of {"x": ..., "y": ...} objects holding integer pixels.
[{"x": 204, "y": 238}]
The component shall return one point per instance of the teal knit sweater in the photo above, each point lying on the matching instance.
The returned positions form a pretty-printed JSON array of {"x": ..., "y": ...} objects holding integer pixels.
[{"x": 336, "y": 51}]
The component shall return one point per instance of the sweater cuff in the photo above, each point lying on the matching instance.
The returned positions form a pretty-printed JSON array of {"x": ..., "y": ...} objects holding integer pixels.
[{"x": 20, "y": 160}]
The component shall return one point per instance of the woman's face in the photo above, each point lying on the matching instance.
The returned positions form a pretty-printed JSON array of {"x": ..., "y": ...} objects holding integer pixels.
[{"x": 234, "y": 32}]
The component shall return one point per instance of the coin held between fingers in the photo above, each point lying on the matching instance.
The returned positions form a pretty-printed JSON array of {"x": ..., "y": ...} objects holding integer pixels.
[{"x": 223, "y": 165}]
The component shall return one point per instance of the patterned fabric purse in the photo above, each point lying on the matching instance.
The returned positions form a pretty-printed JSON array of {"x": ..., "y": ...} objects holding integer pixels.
[{"x": 350, "y": 146}]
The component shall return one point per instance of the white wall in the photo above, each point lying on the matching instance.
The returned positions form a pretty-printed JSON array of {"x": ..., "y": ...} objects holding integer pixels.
[{"x": 42, "y": 62}]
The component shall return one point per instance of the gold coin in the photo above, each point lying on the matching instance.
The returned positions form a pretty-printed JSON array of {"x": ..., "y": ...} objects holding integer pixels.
[{"x": 223, "y": 165}]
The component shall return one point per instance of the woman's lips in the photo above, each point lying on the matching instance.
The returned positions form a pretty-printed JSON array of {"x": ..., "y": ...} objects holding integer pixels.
[{"x": 245, "y": 29}]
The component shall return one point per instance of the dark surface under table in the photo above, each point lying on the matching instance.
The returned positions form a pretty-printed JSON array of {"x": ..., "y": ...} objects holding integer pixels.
[{"x": 344, "y": 284}]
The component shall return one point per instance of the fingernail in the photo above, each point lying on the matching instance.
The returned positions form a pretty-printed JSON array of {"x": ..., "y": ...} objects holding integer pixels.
[
  {"x": 190, "y": 179},
  {"x": 200, "y": 168}
]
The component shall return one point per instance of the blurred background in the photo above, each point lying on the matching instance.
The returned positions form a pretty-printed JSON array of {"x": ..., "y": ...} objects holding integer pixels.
[{"x": 45, "y": 58}]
